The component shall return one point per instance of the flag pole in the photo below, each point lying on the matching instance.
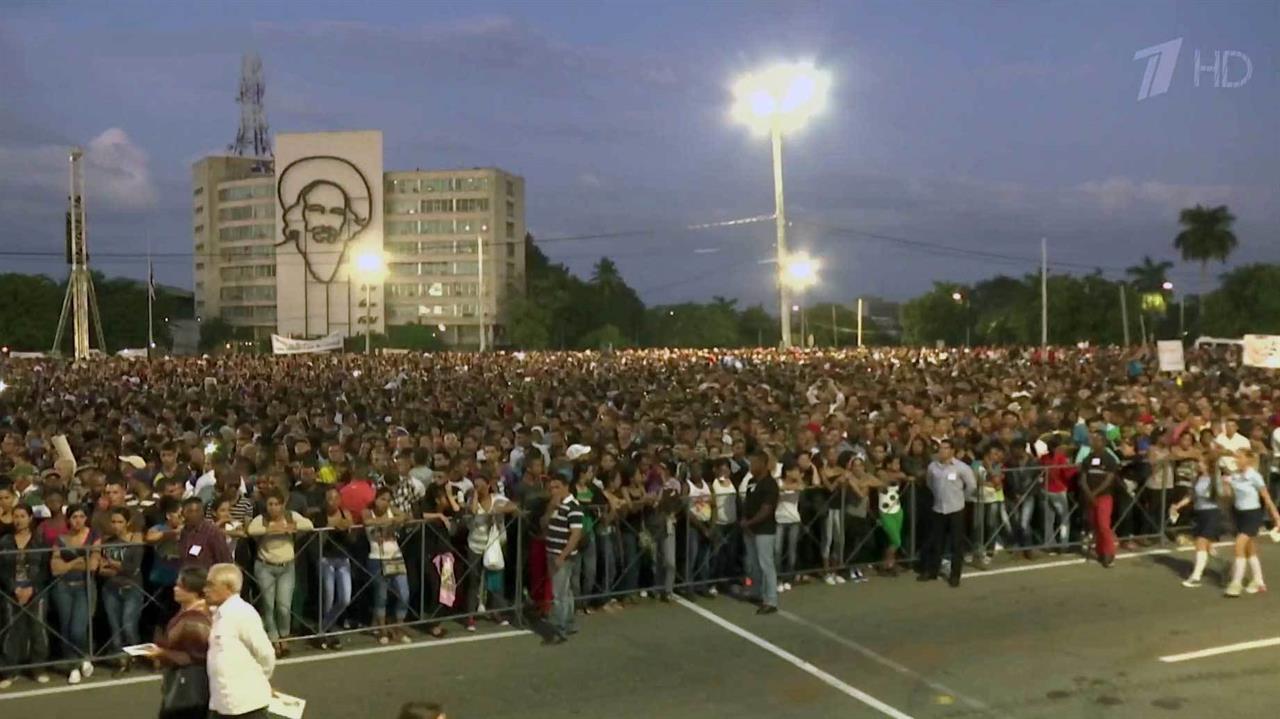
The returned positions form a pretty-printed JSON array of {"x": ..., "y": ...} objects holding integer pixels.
[{"x": 151, "y": 297}]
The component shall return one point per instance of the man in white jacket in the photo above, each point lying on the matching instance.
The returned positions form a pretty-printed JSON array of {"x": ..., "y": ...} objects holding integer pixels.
[{"x": 240, "y": 658}]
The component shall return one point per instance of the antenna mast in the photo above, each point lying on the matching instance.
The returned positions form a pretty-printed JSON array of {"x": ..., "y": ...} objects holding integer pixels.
[
  {"x": 252, "y": 139},
  {"x": 80, "y": 302}
]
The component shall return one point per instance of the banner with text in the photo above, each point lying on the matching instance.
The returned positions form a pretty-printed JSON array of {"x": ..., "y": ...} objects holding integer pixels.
[
  {"x": 287, "y": 346},
  {"x": 1262, "y": 351},
  {"x": 1171, "y": 357}
]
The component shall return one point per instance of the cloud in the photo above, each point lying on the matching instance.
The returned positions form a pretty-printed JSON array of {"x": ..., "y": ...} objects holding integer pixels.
[
  {"x": 117, "y": 172},
  {"x": 1117, "y": 194}
]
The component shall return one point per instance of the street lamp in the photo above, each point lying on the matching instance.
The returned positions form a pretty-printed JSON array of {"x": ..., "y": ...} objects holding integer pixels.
[
  {"x": 799, "y": 273},
  {"x": 778, "y": 99},
  {"x": 371, "y": 268},
  {"x": 964, "y": 300}
]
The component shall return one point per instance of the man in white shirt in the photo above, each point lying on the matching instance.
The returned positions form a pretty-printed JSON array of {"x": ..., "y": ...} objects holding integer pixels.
[
  {"x": 240, "y": 658},
  {"x": 1231, "y": 441}
]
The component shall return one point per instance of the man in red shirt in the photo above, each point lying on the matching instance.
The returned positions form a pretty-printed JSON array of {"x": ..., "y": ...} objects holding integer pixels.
[
  {"x": 357, "y": 494},
  {"x": 1060, "y": 478}
]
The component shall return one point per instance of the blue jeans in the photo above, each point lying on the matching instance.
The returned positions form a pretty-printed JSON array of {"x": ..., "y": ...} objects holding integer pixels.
[
  {"x": 335, "y": 587},
  {"x": 631, "y": 558},
  {"x": 764, "y": 573},
  {"x": 1057, "y": 518},
  {"x": 788, "y": 543},
  {"x": 124, "y": 608},
  {"x": 383, "y": 584},
  {"x": 698, "y": 557},
  {"x": 73, "y": 601},
  {"x": 562, "y": 620},
  {"x": 726, "y": 559},
  {"x": 275, "y": 582},
  {"x": 609, "y": 551},
  {"x": 584, "y": 582}
]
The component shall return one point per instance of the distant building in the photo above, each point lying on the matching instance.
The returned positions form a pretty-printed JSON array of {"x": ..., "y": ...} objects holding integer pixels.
[
  {"x": 277, "y": 241},
  {"x": 886, "y": 316}
]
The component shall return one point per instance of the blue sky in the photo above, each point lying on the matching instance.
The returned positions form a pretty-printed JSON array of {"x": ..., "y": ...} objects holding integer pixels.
[{"x": 975, "y": 125}]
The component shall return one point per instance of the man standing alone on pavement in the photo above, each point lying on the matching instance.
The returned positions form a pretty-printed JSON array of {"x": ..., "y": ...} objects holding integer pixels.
[
  {"x": 759, "y": 530},
  {"x": 950, "y": 481},
  {"x": 562, "y": 525},
  {"x": 240, "y": 657}
]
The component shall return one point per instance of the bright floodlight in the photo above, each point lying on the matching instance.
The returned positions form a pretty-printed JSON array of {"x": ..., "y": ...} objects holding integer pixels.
[
  {"x": 781, "y": 97},
  {"x": 369, "y": 265},
  {"x": 800, "y": 271},
  {"x": 957, "y": 296},
  {"x": 1167, "y": 286}
]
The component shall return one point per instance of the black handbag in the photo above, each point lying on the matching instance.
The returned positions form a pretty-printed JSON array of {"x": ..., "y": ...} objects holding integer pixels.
[{"x": 185, "y": 689}]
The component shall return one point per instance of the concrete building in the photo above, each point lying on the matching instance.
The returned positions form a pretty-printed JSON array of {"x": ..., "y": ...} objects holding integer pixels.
[{"x": 278, "y": 243}]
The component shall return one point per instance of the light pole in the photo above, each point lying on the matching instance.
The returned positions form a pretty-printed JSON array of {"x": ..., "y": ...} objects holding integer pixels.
[
  {"x": 963, "y": 299},
  {"x": 777, "y": 99},
  {"x": 371, "y": 268},
  {"x": 799, "y": 273}
]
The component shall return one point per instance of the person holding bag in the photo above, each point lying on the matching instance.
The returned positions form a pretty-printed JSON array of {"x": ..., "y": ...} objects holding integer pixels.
[
  {"x": 485, "y": 561},
  {"x": 182, "y": 648}
]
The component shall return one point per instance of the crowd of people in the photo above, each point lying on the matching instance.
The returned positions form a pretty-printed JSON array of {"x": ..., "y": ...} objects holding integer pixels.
[{"x": 365, "y": 494}]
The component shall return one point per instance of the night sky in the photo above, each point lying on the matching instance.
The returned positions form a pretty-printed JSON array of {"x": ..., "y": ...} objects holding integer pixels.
[{"x": 971, "y": 125}]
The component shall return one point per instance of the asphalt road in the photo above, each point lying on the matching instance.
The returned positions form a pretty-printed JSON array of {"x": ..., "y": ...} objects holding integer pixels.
[{"x": 1066, "y": 642}]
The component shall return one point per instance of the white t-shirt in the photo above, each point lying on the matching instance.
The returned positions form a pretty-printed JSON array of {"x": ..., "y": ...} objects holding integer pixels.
[
  {"x": 1234, "y": 443},
  {"x": 726, "y": 501},
  {"x": 700, "y": 501},
  {"x": 788, "y": 511}
]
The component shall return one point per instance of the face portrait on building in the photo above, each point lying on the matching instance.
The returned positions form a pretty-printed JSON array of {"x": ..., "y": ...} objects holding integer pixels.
[{"x": 325, "y": 205}]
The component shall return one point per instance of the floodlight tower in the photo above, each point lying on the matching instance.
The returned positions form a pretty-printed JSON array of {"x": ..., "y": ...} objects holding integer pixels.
[{"x": 80, "y": 302}]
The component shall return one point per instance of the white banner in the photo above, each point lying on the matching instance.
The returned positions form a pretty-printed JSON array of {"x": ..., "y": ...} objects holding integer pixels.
[
  {"x": 1262, "y": 351},
  {"x": 287, "y": 346},
  {"x": 1170, "y": 354}
]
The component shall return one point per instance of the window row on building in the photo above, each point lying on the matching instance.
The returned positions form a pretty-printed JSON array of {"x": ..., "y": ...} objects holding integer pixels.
[
  {"x": 246, "y": 272},
  {"x": 248, "y": 293},
  {"x": 231, "y": 254},
  {"x": 246, "y": 232},
  {"x": 470, "y": 226},
  {"x": 419, "y": 185},
  {"x": 429, "y": 247},
  {"x": 257, "y": 313},
  {"x": 433, "y": 289},
  {"x": 434, "y": 269},
  {"x": 246, "y": 192},
  {"x": 258, "y": 211},
  {"x": 400, "y": 315},
  {"x": 396, "y": 206}
]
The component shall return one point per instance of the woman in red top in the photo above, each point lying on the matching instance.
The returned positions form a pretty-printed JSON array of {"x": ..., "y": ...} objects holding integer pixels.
[{"x": 181, "y": 650}]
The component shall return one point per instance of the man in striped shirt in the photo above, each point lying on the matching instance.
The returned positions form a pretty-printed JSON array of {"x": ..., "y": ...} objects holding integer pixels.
[{"x": 562, "y": 525}]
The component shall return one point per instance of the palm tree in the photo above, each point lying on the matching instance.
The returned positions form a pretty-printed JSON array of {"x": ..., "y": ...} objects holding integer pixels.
[
  {"x": 1206, "y": 235},
  {"x": 1150, "y": 275}
]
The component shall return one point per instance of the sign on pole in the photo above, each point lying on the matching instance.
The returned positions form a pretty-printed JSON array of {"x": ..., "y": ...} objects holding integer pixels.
[
  {"x": 1262, "y": 351},
  {"x": 1171, "y": 357}
]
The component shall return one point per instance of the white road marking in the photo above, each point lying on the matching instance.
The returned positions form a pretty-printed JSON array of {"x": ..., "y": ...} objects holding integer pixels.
[
  {"x": 973, "y": 574},
  {"x": 884, "y": 661},
  {"x": 1227, "y": 649},
  {"x": 795, "y": 661},
  {"x": 113, "y": 683}
]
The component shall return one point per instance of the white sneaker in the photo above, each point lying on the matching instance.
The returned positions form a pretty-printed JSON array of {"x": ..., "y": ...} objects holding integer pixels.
[
  {"x": 999, "y": 547},
  {"x": 644, "y": 594},
  {"x": 1192, "y": 583},
  {"x": 830, "y": 580},
  {"x": 86, "y": 669},
  {"x": 504, "y": 623},
  {"x": 1255, "y": 588},
  {"x": 6, "y": 683},
  {"x": 713, "y": 592},
  {"x": 1233, "y": 589},
  {"x": 42, "y": 678},
  {"x": 74, "y": 677},
  {"x": 786, "y": 586},
  {"x": 839, "y": 579}
]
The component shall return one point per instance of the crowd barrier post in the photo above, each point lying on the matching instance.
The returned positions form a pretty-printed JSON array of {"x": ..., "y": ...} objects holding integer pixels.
[{"x": 517, "y": 602}]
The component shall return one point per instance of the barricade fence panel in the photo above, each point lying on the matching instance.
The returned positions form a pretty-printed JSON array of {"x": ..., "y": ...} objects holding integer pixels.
[{"x": 432, "y": 574}]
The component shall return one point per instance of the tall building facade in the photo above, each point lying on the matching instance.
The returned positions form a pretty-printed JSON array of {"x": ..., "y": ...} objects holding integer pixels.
[{"x": 284, "y": 246}]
